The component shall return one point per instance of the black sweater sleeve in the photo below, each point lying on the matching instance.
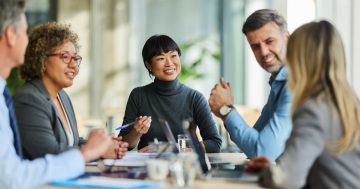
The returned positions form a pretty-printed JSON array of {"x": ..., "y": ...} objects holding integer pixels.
[{"x": 207, "y": 126}]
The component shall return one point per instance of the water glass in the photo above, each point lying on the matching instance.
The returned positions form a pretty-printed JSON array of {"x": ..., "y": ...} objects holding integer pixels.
[
  {"x": 184, "y": 143},
  {"x": 184, "y": 169},
  {"x": 157, "y": 169}
]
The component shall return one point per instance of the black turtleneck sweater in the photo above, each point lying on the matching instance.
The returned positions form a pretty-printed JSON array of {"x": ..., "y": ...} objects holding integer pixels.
[{"x": 173, "y": 102}]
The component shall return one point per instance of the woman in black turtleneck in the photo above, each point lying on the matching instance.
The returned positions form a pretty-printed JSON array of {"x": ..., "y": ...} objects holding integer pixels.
[{"x": 166, "y": 98}]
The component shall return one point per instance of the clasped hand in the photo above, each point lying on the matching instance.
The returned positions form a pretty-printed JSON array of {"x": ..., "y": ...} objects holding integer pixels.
[
  {"x": 117, "y": 149},
  {"x": 220, "y": 95}
]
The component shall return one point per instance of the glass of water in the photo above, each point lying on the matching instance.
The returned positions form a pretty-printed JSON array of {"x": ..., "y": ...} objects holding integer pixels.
[{"x": 184, "y": 143}]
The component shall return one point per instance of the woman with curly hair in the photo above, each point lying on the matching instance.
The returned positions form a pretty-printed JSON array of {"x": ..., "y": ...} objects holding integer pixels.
[{"x": 45, "y": 113}]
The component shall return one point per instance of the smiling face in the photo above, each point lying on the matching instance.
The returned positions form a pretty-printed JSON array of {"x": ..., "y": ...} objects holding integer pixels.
[
  {"x": 165, "y": 66},
  {"x": 58, "y": 74},
  {"x": 268, "y": 44}
]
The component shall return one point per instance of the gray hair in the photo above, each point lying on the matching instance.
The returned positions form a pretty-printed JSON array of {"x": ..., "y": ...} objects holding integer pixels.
[
  {"x": 10, "y": 13},
  {"x": 261, "y": 17}
]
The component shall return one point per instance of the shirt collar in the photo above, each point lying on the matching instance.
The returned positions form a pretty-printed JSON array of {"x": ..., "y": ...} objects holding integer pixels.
[
  {"x": 281, "y": 76},
  {"x": 2, "y": 85}
]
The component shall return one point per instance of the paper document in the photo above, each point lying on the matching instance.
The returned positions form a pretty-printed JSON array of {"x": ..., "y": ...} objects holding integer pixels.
[
  {"x": 125, "y": 162},
  {"x": 131, "y": 159},
  {"x": 106, "y": 182},
  {"x": 135, "y": 154}
]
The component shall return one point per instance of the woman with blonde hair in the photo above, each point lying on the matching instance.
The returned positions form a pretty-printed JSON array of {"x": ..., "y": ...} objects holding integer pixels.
[{"x": 323, "y": 150}]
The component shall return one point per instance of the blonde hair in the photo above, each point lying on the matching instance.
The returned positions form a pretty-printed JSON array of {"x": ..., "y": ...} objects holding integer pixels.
[{"x": 316, "y": 61}]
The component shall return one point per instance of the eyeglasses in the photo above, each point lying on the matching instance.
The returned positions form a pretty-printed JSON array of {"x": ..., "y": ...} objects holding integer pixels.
[{"x": 66, "y": 58}]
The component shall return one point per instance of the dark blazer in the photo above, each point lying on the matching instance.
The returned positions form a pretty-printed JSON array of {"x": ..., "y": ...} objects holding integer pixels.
[{"x": 40, "y": 125}]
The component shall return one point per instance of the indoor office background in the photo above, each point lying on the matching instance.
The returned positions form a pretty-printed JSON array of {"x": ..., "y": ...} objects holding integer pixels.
[{"x": 112, "y": 33}]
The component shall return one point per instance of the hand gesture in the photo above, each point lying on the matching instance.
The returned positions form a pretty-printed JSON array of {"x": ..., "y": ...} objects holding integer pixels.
[
  {"x": 122, "y": 147},
  {"x": 117, "y": 149},
  {"x": 220, "y": 95},
  {"x": 257, "y": 164},
  {"x": 142, "y": 124},
  {"x": 96, "y": 146}
]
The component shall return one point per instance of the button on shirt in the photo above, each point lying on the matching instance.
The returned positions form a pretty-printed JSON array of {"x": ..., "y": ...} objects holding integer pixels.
[
  {"x": 272, "y": 129},
  {"x": 18, "y": 173}
]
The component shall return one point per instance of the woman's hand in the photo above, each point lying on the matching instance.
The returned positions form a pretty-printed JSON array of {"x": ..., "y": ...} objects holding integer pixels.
[
  {"x": 257, "y": 164},
  {"x": 142, "y": 124},
  {"x": 117, "y": 149},
  {"x": 123, "y": 147},
  {"x": 96, "y": 145},
  {"x": 146, "y": 149}
]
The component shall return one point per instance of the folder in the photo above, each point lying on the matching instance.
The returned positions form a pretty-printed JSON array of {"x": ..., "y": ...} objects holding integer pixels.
[{"x": 107, "y": 183}]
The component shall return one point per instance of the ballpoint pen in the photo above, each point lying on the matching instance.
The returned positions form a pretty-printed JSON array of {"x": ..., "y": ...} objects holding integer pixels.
[{"x": 125, "y": 126}]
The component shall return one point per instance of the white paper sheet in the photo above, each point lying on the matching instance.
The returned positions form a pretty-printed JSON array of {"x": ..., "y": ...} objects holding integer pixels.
[{"x": 131, "y": 159}]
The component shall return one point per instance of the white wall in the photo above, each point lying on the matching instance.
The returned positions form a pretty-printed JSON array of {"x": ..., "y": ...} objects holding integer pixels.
[{"x": 346, "y": 17}]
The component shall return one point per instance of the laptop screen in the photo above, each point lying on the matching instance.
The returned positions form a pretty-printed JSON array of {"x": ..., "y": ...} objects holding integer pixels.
[
  {"x": 189, "y": 129},
  {"x": 169, "y": 135}
]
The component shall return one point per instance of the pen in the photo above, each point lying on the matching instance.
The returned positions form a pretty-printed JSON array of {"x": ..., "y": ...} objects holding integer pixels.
[{"x": 125, "y": 126}]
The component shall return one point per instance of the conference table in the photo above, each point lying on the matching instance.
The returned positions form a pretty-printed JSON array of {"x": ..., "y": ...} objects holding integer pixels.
[{"x": 236, "y": 158}]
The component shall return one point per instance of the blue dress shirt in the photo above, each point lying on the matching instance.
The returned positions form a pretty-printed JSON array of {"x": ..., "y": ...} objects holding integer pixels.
[
  {"x": 13, "y": 122},
  {"x": 18, "y": 173},
  {"x": 272, "y": 129}
]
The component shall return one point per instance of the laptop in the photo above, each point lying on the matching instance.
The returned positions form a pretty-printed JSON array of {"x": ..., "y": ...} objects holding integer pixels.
[
  {"x": 222, "y": 171},
  {"x": 169, "y": 135}
]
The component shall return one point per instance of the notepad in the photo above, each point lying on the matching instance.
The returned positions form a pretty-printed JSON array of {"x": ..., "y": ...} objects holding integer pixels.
[{"x": 107, "y": 183}]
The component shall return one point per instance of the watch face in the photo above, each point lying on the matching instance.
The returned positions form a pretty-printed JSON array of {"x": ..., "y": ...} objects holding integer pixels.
[{"x": 224, "y": 110}]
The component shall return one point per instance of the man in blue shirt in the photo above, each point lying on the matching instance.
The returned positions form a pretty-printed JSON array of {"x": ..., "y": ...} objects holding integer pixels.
[
  {"x": 14, "y": 171},
  {"x": 267, "y": 34}
]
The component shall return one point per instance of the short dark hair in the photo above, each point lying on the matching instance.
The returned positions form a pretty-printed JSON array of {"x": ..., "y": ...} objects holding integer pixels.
[
  {"x": 261, "y": 17},
  {"x": 10, "y": 12},
  {"x": 156, "y": 45},
  {"x": 43, "y": 40}
]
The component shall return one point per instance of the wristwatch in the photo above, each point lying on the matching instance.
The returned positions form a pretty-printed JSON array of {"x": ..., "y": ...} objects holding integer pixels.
[{"x": 226, "y": 109}]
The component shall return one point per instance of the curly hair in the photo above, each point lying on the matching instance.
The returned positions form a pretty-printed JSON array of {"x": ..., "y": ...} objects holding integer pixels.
[{"x": 43, "y": 40}]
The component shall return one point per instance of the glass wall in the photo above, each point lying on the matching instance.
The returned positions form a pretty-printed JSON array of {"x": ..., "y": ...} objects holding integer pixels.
[
  {"x": 112, "y": 34},
  {"x": 193, "y": 24}
]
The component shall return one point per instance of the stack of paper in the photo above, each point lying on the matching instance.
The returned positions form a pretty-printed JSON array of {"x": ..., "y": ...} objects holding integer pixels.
[{"x": 131, "y": 159}]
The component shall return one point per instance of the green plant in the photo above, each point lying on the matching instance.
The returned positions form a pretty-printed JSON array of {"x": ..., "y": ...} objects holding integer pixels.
[
  {"x": 14, "y": 82},
  {"x": 203, "y": 48}
]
